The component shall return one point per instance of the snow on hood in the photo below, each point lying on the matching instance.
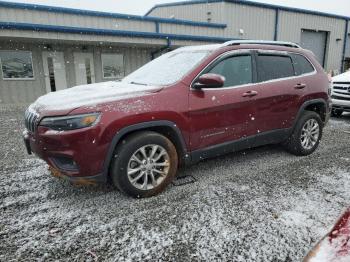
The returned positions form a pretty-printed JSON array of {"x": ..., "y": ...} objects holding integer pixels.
[
  {"x": 89, "y": 95},
  {"x": 345, "y": 77}
]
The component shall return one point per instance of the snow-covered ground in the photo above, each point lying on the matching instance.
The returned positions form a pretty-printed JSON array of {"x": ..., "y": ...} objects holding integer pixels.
[{"x": 257, "y": 205}]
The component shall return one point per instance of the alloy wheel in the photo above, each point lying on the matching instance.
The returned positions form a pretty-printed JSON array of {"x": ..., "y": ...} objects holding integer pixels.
[
  {"x": 310, "y": 134},
  {"x": 148, "y": 167}
]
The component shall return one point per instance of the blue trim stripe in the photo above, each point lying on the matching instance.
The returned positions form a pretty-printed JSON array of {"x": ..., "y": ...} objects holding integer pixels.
[
  {"x": 250, "y": 3},
  {"x": 94, "y": 31},
  {"x": 107, "y": 14}
]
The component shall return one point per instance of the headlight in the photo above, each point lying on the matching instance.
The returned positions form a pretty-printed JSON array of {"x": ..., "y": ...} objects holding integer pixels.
[{"x": 62, "y": 123}]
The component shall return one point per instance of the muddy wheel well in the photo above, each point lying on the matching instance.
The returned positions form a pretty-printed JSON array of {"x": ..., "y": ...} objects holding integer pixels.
[
  {"x": 319, "y": 108},
  {"x": 166, "y": 131}
]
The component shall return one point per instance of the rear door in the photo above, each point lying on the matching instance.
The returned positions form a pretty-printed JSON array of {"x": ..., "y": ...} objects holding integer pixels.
[
  {"x": 282, "y": 82},
  {"x": 224, "y": 114}
]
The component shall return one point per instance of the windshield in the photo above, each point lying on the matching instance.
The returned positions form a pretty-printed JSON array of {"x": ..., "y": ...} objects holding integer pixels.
[{"x": 167, "y": 69}]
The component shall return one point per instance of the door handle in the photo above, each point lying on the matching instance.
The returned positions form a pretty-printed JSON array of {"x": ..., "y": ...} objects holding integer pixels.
[
  {"x": 300, "y": 86},
  {"x": 250, "y": 94}
]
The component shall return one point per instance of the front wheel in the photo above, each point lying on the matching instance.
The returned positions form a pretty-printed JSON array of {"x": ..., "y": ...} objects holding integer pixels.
[
  {"x": 306, "y": 135},
  {"x": 144, "y": 164}
]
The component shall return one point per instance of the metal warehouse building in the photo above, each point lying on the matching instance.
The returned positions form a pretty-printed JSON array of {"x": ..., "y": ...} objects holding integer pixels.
[{"x": 44, "y": 48}]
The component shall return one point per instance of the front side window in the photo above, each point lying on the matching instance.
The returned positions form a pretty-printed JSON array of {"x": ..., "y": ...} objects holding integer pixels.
[
  {"x": 16, "y": 65},
  {"x": 112, "y": 65},
  {"x": 274, "y": 67},
  {"x": 302, "y": 65},
  {"x": 237, "y": 70}
]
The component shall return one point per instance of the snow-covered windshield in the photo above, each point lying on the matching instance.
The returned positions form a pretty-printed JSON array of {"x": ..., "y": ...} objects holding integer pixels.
[{"x": 168, "y": 68}]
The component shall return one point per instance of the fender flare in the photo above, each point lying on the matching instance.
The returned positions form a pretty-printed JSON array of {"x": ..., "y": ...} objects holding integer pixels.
[
  {"x": 139, "y": 127},
  {"x": 306, "y": 104}
]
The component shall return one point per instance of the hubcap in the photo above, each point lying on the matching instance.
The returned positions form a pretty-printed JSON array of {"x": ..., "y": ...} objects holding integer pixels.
[
  {"x": 148, "y": 167},
  {"x": 310, "y": 134}
]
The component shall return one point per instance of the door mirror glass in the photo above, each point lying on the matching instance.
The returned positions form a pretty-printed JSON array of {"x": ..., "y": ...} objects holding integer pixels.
[{"x": 209, "y": 81}]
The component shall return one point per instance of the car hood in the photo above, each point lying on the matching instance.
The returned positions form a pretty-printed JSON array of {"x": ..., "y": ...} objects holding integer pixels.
[
  {"x": 345, "y": 77},
  {"x": 64, "y": 101}
]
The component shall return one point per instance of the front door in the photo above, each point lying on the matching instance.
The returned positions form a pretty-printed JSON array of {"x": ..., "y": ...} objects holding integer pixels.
[
  {"x": 54, "y": 71},
  {"x": 219, "y": 115},
  {"x": 84, "y": 68}
]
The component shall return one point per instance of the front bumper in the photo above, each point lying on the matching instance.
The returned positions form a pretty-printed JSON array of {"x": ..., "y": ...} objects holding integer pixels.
[
  {"x": 85, "y": 180},
  {"x": 341, "y": 104},
  {"x": 75, "y": 155}
]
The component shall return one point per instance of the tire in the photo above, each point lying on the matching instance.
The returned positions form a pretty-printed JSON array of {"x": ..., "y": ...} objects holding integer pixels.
[
  {"x": 139, "y": 176},
  {"x": 297, "y": 143},
  {"x": 337, "y": 112}
]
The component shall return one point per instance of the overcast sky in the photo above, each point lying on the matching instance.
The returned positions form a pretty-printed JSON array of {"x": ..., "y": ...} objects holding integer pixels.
[{"x": 140, "y": 7}]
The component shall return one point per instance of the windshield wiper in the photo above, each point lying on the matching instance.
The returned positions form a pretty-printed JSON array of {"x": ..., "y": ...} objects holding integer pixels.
[{"x": 136, "y": 83}]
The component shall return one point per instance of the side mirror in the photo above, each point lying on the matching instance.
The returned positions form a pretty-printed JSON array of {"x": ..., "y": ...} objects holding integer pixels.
[{"x": 209, "y": 81}]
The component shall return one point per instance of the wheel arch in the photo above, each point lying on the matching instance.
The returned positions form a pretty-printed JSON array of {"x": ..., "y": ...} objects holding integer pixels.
[
  {"x": 164, "y": 127},
  {"x": 319, "y": 106},
  {"x": 315, "y": 105}
]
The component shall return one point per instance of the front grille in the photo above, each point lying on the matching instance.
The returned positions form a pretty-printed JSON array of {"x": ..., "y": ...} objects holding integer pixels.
[
  {"x": 346, "y": 88},
  {"x": 30, "y": 120},
  {"x": 342, "y": 93},
  {"x": 341, "y": 83},
  {"x": 341, "y": 98}
]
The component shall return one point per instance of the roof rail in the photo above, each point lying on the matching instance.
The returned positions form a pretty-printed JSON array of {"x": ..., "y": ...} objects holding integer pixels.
[{"x": 261, "y": 42}]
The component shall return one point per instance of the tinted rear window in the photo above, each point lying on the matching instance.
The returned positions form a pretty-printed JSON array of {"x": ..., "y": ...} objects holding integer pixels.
[
  {"x": 274, "y": 67},
  {"x": 301, "y": 65}
]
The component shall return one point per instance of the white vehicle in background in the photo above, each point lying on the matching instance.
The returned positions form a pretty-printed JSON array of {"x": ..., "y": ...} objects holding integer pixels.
[{"x": 341, "y": 94}]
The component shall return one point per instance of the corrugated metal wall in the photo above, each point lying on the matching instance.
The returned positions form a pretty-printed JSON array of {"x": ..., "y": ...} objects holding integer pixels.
[
  {"x": 50, "y": 18},
  {"x": 291, "y": 24},
  {"x": 195, "y": 12},
  {"x": 256, "y": 22},
  {"x": 259, "y": 23},
  {"x": 186, "y": 30},
  {"x": 100, "y": 22}
]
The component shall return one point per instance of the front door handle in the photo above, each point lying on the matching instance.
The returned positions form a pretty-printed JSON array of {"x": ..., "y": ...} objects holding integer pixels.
[
  {"x": 250, "y": 94},
  {"x": 300, "y": 86}
]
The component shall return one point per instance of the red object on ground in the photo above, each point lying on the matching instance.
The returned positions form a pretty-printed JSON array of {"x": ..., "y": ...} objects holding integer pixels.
[{"x": 335, "y": 247}]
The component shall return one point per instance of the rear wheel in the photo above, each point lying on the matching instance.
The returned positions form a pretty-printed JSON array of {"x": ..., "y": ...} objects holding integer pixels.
[
  {"x": 145, "y": 164},
  {"x": 306, "y": 135},
  {"x": 337, "y": 112}
]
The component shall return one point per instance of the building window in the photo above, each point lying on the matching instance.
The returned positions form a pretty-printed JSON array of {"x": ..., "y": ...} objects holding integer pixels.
[
  {"x": 16, "y": 65},
  {"x": 112, "y": 65}
]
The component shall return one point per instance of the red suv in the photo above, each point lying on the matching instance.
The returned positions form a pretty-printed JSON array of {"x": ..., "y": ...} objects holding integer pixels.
[{"x": 187, "y": 105}]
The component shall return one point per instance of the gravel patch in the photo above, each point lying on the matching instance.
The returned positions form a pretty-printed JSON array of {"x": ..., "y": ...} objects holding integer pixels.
[{"x": 257, "y": 205}]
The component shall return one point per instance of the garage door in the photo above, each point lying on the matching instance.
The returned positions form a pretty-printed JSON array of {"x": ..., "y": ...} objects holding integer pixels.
[{"x": 315, "y": 41}]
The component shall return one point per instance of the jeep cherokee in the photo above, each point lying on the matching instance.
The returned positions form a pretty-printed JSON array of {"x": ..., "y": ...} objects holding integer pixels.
[{"x": 187, "y": 105}]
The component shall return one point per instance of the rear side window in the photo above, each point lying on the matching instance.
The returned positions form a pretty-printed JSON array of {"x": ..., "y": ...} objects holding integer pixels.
[
  {"x": 274, "y": 67},
  {"x": 237, "y": 70},
  {"x": 301, "y": 65}
]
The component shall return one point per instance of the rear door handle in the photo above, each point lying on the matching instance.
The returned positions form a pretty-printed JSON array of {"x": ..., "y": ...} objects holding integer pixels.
[
  {"x": 300, "y": 86},
  {"x": 250, "y": 94}
]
